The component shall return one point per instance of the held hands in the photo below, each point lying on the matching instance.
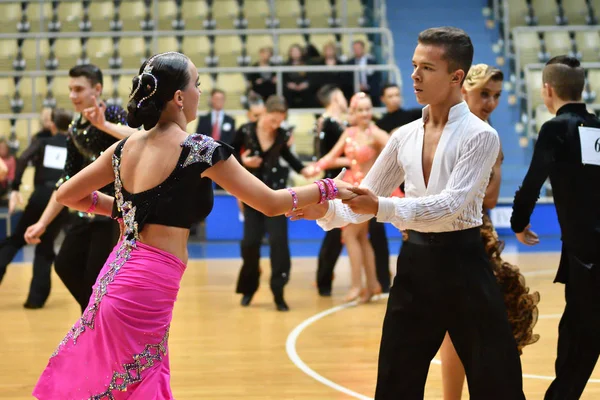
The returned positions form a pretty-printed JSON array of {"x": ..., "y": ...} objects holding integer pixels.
[
  {"x": 364, "y": 201},
  {"x": 528, "y": 237},
  {"x": 318, "y": 211},
  {"x": 95, "y": 114}
]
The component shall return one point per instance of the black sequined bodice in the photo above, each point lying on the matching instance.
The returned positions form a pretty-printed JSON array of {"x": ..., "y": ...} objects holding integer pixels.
[{"x": 181, "y": 199}]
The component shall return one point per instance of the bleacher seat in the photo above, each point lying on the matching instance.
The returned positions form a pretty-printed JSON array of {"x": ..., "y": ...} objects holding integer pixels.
[
  {"x": 318, "y": 14},
  {"x": 196, "y": 48},
  {"x": 167, "y": 12},
  {"x": 256, "y": 13},
  {"x": 10, "y": 14},
  {"x": 132, "y": 13},
  {"x": 354, "y": 11},
  {"x": 575, "y": 11},
  {"x": 225, "y": 12},
  {"x": 557, "y": 42},
  {"x": 588, "y": 44},
  {"x": 287, "y": 12},
  {"x": 228, "y": 49},
  {"x": 517, "y": 11},
  {"x": 68, "y": 52},
  {"x": 194, "y": 14},
  {"x": 70, "y": 14},
  {"x": 99, "y": 51},
  {"x": 37, "y": 15},
  {"x": 101, "y": 14},
  {"x": 545, "y": 11},
  {"x": 8, "y": 51}
]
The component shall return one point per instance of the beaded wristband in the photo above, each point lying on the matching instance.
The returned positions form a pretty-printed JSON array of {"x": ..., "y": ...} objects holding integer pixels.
[
  {"x": 294, "y": 199},
  {"x": 323, "y": 191},
  {"x": 94, "y": 203},
  {"x": 333, "y": 190}
]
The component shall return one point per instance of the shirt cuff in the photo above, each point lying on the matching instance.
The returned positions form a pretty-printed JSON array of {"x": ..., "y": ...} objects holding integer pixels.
[
  {"x": 322, "y": 222},
  {"x": 386, "y": 209}
]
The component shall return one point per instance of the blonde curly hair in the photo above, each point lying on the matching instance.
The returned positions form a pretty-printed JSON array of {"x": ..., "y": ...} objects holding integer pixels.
[{"x": 480, "y": 74}]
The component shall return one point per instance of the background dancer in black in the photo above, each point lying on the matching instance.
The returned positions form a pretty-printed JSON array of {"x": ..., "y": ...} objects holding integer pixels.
[
  {"x": 265, "y": 143},
  {"x": 90, "y": 238},
  {"x": 47, "y": 154},
  {"x": 567, "y": 151}
]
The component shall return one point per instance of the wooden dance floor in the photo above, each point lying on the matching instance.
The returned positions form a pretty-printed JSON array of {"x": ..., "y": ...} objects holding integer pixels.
[{"x": 220, "y": 350}]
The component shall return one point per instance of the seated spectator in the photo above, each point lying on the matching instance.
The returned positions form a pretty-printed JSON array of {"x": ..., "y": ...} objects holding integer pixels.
[
  {"x": 340, "y": 79},
  {"x": 263, "y": 83},
  {"x": 296, "y": 85}
]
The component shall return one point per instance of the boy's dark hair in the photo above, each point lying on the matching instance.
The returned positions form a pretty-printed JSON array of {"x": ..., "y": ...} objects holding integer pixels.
[
  {"x": 566, "y": 76},
  {"x": 324, "y": 94},
  {"x": 62, "y": 119},
  {"x": 387, "y": 86},
  {"x": 90, "y": 71},
  {"x": 456, "y": 43}
]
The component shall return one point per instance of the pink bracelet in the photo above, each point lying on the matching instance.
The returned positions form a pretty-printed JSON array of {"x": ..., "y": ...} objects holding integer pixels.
[
  {"x": 323, "y": 191},
  {"x": 94, "y": 203},
  {"x": 333, "y": 190},
  {"x": 294, "y": 199}
]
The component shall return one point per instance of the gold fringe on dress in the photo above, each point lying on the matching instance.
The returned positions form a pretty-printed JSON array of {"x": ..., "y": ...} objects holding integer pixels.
[{"x": 521, "y": 305}]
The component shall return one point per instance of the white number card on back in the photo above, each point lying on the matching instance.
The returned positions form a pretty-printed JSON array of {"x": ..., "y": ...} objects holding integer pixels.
[
  {"x": 590, "y": 145},
  {"x": 55, "y": 157}
]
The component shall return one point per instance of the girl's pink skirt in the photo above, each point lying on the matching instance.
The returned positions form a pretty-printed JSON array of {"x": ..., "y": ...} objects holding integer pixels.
[{"x": 118, "y": 348}]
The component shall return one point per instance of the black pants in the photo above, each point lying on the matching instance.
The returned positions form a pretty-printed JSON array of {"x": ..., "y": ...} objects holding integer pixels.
[
  {"x": 87, "y": 245},
  {"x": 256, "y": 225},
  {"x": 39, "y": 288},
  {"x": 445, "y": 283},
  {"x": 331, "y": 249},
  {"x": 578, "y": 331}
]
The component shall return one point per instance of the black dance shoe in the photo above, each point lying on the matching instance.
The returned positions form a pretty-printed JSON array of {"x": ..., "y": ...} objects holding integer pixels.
[
  {"x": 31, "y": 306},
  {"x": 280, "y": 303},
  {"x": 246, "y": 299}
]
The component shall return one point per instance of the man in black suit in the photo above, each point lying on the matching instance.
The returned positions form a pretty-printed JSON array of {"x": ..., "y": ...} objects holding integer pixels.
[
  {"x": 217, "y": 124},
  {"x": 369, "y": 81},
  {"x": 568, "y": 151}
]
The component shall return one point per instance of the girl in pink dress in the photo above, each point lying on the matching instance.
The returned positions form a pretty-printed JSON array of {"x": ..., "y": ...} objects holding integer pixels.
[
  {"x": 360, "y": 144},
  {"x": 118, "y": 349}
]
